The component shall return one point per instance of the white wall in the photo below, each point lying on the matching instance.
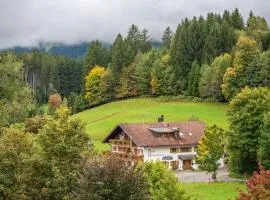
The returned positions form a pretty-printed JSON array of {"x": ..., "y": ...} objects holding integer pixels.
[{"x": 156, "y": 154}]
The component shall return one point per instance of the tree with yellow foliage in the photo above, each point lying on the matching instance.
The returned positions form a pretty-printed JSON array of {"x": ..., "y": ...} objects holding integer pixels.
[
  {"x": 95, "y": 86},
  {"x": 211, "y": 149},
  {"x": 245, "y": 70}
]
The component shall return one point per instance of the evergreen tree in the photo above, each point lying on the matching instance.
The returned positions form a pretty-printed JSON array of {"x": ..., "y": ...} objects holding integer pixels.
[
  {"x": 228, "y": 37},
  {"x": 157, "y": 78},
  {"x": 96, "y": 55},
  {"x": 181, "y": 61},
  {"x": 136, "y": 41},
  {"x": 128, "y": 83},
  {"x": 167, "y": 37},
  {"x": 145, "y": 41},
  {"x": 196, "y": 40},
  {"x": 257, "y": 28},
  {"x": 237, "y": 20},
  {"x": 226, "y": 17},
  {"x": 213, "y": 43},
  {"x": 194, "y": 79},
  {"x": 143, "y": 72},
  {"x": 117, "y": 55},
  {"x": 79, "y": 104}
]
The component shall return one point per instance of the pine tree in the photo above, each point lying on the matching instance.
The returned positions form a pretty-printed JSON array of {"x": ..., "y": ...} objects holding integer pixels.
[
  {"x": 167, "y": 37},
  {"x": 143, "y": 72},
  {"x": 181, "y": 60},
  {"x": 117, "y": 55},
  {"x": 226, "y": 17},
  {"x": 96, "y": 55},
  {"x": 237, "y": 20},
  {"x": 228, "y": 37},
  {"x": 157, "y": 78},
  {"x": 213, "y": 43},
  {"x": 128, "y": 83},
  {"x": 194, "y": 79}
]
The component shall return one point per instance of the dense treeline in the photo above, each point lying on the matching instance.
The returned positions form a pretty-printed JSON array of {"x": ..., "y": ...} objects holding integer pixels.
[
  {"x": 203, "y": 59},
  {"x": 47, "y": 74}
]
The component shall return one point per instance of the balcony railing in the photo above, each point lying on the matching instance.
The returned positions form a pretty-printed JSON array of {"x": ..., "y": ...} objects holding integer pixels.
[{"x": 120, "y": 142}]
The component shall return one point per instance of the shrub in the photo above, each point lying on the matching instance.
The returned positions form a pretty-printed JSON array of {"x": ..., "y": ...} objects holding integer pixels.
[
  {"x": 258, "y": 186},
  {"x": 108, "y": 177}
]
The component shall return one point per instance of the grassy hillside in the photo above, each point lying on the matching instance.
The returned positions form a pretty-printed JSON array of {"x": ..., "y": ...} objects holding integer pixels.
[{"x": 101, "y": 120}]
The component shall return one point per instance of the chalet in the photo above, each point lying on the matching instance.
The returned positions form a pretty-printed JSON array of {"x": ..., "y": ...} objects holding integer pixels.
[{"x": 172, "y": 143}]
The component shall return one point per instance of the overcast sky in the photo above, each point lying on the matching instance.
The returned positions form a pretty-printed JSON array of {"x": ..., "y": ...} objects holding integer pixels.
[{"x": 25, "y": 22}]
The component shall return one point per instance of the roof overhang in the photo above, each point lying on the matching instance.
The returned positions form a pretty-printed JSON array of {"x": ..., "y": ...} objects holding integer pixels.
[
  {"x": 114, "y": 131},
  {"x": 188, "y": 156}
]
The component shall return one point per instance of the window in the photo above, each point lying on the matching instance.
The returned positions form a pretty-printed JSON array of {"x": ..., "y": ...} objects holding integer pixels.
[
  {"x": 185, "y": 149},
  {"x": 114, "y": 148},
  {"x": 174, "y": 150}
]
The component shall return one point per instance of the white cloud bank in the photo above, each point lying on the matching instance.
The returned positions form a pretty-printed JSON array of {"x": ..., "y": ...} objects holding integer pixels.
[{"x": 25, "y": 22}]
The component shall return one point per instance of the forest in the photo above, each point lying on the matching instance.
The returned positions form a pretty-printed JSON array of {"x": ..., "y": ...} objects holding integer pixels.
[{"x": 202, "y": 59}]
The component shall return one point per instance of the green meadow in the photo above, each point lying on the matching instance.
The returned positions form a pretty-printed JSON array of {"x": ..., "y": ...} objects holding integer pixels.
[
  {"x": 213, "y": 191},
  {"x": 101, "y": 120}
]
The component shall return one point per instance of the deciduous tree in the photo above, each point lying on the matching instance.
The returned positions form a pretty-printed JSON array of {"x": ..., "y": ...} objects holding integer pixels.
[
  {"x": 15, "y": 97},
  {"x": 246, "y": 116},
  {"x": 211, "y": 149},
  {"x": 212, "y": 77},
  {"x": 94, "y": 94},
  {"x": 264, "y": 142},
  {"x": 245, "y": 70},
  {"x": 64, "y": 143}
]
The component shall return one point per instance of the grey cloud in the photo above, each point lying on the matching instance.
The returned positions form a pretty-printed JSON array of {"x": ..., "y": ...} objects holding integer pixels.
[{"x": 25, "y": 22}]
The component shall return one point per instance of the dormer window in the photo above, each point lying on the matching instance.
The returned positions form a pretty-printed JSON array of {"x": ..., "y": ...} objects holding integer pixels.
[{"x": 166, "y": 132}]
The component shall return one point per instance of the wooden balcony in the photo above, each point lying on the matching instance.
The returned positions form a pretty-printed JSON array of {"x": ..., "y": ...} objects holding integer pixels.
[
  {"x": 120, "y": 142},
  {"x": 129, "y": 156}
]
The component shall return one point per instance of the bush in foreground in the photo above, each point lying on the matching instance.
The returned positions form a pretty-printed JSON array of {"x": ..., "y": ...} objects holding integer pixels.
[
  {"x": 258, "y": 186},
  {"x": 162, "y": 182},
  {"x": 109, "y": 177}
]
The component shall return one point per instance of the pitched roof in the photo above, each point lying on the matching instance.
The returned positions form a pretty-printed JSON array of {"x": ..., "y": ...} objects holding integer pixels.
[{"x": 145, "y": 135}]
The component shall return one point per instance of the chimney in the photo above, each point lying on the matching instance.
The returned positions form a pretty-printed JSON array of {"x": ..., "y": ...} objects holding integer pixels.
[{"x": 161, "y": 118}]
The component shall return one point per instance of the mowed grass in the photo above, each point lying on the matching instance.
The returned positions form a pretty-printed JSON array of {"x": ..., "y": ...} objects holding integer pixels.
[
  {"x": 101, "y": 120},
  {"x": 213, "y": 191}
]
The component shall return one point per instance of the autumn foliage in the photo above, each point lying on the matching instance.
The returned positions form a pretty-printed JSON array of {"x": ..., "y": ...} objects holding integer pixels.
[
  {"x": 258, "y": 186},
  {"x": 55, "y": 101}
]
